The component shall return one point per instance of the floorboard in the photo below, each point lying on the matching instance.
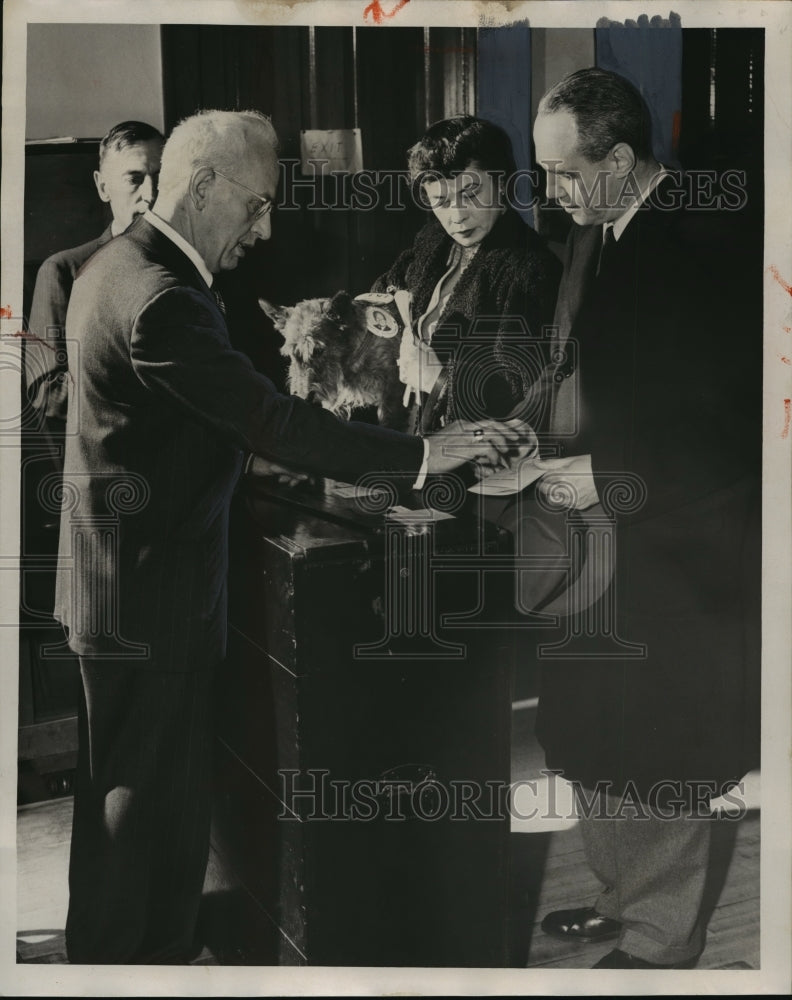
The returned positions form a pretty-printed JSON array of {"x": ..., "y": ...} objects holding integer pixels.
[{"x": 548, "y": 872}]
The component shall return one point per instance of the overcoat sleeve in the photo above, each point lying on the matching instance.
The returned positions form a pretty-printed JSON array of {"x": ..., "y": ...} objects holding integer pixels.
[{"x": 179, "y": 348}]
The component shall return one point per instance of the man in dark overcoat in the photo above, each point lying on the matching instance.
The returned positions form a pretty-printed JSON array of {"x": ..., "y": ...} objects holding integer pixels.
[{"x": 649, "y": 703}]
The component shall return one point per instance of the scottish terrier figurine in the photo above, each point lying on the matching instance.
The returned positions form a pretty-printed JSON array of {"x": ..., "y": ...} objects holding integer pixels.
[{"x": 344, "y": 353}]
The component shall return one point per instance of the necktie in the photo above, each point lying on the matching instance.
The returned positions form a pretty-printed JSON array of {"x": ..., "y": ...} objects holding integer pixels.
[
  {"x": 606, "y": 250},
  {"x": 579, "y": 273},
  {"x": 219, "y": 301}
]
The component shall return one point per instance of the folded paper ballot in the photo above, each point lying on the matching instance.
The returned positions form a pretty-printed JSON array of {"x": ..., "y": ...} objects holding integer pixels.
[
  {"x": 424, "y": 515},
  {"x": 349, "y": 491},
  {"x": 509, "y": 481}
]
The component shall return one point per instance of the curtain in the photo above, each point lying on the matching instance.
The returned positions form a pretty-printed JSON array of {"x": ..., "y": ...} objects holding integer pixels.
[
  {"x": 504, "y": 95},
  {"x": 649, "y": 54}
]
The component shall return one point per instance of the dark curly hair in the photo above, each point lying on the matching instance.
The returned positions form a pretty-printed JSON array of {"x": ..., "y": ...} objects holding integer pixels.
[{"x": 451, "y": 145}]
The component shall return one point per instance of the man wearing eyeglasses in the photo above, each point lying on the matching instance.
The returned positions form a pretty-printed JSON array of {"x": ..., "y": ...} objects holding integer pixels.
[{"x": 164, "y": 411}]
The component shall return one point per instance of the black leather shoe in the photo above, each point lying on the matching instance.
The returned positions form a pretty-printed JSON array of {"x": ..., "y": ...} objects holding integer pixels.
[
  {"x": 618, "y": 959},
  {"x": 583, "y": 924}
]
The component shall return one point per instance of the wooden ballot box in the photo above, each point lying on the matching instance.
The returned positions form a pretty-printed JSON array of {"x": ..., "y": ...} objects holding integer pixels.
[{"x": 364, "y": 730}]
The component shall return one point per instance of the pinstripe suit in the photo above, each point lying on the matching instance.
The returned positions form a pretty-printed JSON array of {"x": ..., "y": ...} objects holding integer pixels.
[{"x": 161, "y": 410}]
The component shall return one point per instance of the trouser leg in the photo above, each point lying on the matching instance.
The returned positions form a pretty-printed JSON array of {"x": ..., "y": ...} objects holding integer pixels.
[
  {"x": 140, "y": 834},
  {"x": 653, "y": 872},
  {"x": 601, "y": 855}
]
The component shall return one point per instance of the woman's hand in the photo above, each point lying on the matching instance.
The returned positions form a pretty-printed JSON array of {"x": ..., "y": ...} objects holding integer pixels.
[{"x": 491, "y": 444}]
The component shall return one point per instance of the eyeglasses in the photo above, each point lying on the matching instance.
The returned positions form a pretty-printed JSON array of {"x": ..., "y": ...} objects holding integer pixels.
[{"x": 266, "y": 203}]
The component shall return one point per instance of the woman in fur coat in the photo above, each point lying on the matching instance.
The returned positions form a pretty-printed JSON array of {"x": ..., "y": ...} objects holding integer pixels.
[{"x": 482, "y": 284}]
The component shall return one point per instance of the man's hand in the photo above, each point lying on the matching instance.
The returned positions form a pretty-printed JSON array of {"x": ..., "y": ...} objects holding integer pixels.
[
  {"x": 491, "y": 444},
  {"x": 571, "y": 478},
  {"x": 262, "y": 467}
]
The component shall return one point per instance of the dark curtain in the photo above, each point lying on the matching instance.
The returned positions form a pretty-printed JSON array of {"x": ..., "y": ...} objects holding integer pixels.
[
  {"x": 504, "y": 96},
  {"x": 650, "y": 57},
  {"x": 306, "y": 79}
]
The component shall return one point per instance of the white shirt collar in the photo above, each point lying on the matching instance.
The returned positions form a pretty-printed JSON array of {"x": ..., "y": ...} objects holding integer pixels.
[
  {"x": 186, "y": 248},
  {"x": 620, "y": 224},
  {"x": 116, "y": 229}
]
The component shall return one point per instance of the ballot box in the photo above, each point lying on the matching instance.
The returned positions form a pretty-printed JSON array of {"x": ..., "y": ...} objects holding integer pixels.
[{"x": 361, "y": 793}]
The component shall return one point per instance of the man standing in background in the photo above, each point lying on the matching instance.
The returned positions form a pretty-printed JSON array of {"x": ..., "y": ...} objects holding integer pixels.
[
  {"x": 126, "y": 179},
  {"x": 129, "y": 162}
]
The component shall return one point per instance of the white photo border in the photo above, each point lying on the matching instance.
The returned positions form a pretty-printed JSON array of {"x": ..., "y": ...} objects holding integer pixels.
[{"x": 776, "y": 819}]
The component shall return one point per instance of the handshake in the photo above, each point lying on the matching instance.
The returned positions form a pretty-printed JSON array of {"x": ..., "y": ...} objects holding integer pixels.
[{"x": 489, "y": 445}]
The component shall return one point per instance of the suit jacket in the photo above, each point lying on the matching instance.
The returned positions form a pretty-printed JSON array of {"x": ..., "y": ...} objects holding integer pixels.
[
  {"x": 669, "y": 387},
  {"x": 162, "y": 409},
  {"x": 45, "y": 363},
  {"x": 513, "y": 274}
]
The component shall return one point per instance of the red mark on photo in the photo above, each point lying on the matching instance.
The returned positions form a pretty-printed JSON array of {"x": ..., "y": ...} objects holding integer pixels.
[
  {"x": 676, "y": 129},
  {"x": 787, "y": 417},
  {"x": 6, "y": 312},
  {"x": 27, "y": 335},
  {"x": 787, "y": 361},
  {"x": 378, "y": 14},
  {"x": 774, "y": 271}
]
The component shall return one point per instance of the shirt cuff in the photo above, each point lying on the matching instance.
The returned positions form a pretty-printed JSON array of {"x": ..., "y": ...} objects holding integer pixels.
[{"x": 423, "y": 471}]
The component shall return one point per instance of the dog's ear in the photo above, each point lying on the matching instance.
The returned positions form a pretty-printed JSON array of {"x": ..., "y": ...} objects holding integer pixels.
[
  {"x": 278, "y": 314},
  {"x": 339, "y": 309}
]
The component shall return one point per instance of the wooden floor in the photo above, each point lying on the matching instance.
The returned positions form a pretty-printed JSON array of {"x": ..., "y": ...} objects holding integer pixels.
[
  {"x": 733, "y": 896},
  {"x": 548, "y": 872}
]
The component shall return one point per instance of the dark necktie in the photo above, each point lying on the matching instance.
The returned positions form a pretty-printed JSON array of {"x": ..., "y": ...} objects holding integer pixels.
[
  {"x": 219, "y": 301},
  {"x": 607, "y": 248}
]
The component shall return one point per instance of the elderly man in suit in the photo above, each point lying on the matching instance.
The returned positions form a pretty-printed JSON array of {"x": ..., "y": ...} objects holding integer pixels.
[
  {"x": 162, "y": 412},
  {"x": 129, "y": 162},
  {"x": 655, "y": 711}
]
